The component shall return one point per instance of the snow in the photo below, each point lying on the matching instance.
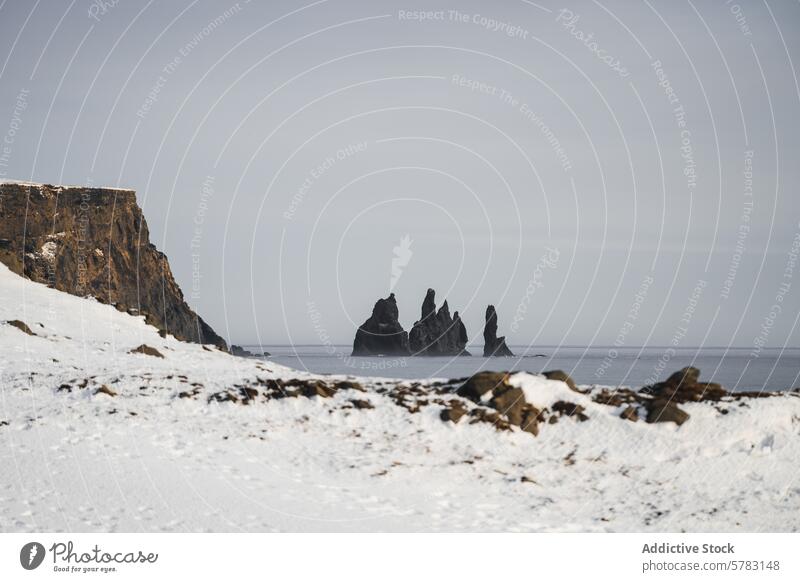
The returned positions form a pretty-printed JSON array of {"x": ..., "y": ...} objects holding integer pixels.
[
  {"x": 48, "y": 250},
  {"x": 149, "y": 460},
  {"x": 542, "y": 392},
  {"x": 41, "y": 185}
]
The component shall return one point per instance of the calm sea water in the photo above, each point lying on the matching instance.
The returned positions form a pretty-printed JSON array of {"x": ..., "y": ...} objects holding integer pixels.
[{"x": 734, "y": 368}]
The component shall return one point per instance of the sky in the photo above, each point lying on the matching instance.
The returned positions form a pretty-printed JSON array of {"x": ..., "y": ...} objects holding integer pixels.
[{"x": 604, "y": 173}]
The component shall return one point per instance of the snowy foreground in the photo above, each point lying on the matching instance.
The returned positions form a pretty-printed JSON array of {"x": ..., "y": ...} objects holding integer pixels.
[{"x": 161, "y": 448}]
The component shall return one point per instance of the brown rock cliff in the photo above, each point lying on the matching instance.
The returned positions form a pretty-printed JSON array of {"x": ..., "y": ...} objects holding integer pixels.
[{"x": 95, "y": 242}]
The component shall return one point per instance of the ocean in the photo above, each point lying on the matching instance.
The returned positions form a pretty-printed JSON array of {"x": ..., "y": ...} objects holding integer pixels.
[{"x": 736, "y": 369}]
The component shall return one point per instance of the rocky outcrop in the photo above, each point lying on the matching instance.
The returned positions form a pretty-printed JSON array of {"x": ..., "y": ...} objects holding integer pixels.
[
  {"x": 493, "y": 346},
  {"x": 437, "y": 333},
  {"x": 95, "y": 242},
  {"x": 685, "y": 386},
  {"x": 382, "y": 334}
]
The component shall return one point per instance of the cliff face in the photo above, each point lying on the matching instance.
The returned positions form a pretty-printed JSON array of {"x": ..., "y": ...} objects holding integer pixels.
[{"x": 95, "y": 242}]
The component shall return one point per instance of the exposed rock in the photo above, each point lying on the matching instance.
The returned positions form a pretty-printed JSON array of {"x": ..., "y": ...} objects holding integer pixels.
[
  {"x": 240, "y": 351},
  {"x": 147, "y": 350},
  {"x": 479, "y": 384},
  {"x": 105, "y": 390},
  {"x": 382, "y": 334},
  {"x": 493, "y": 346},
  {"x": 562, "y": 376},
  {"x": 453, "y": 412},
  {"x": 630, "y": 413},
  {"x": 20, "y": 325},
  {"x": 564, "y": 408},
  {"x": 665, "y": 411},
  {"x": 437, "y": 333},
  {"x": 491, "y": 389},
  {"x": 684, "y": 386},
  {"x": 361, "y": 404},
  {"x": 95, "y": 242}
]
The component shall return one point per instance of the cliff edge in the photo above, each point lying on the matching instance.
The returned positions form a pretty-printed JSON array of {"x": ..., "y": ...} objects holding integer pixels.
[{"x": 95, "y": 242}]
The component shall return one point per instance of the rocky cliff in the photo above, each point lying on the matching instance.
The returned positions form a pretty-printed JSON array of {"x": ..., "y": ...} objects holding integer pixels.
[{"x": 95, "y": 242}]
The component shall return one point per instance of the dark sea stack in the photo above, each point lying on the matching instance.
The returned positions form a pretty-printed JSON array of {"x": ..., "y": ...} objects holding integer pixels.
[
  {"x": 95, "y": 242},
  {"x": 493, "y": 346},
  {"x": 382, "y": 334},
  {"x": 437, "y": 333},
  {"x": 461, "y": 334}
]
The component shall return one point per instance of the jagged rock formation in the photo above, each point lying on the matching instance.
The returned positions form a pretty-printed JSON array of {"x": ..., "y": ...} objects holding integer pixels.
[
  {"x": 493, "y": 345},
  {"x": 95, "y": 242},
  {"x": 685, "y": 386},
  {"x": 382, "y": 334},
  {"x": 437, "y": 333}
]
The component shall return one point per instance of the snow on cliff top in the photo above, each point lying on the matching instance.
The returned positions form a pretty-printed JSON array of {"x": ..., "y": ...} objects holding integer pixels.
[
  {"x": 41, "y": 185},
  {"x": 147, "y": 459}
]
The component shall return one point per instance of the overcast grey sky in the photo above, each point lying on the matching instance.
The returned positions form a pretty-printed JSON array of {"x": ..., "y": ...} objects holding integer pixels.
[{"x": 583, "y": 166}]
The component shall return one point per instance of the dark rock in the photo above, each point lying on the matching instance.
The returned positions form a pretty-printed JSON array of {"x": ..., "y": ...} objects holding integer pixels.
[
  {"x": 684, "y": 386},
  {"x": 147, "y": 350},
  {"x": 481, "y": 383},
  {"x": 240, "y": 351},
  {"x": 105, "y": 390},
  {"x": 493, "y": 346},
  {"x": 362, "y": 404},
  {"x": 507, "y": 400},
  {"x": 382, "y": 334},
  {"x": 95, "y": 242},
  {"x": 562, "y": 376},
  {"x": 630, "y": 413},
  {"x": 665, "y": 411},
  {"x": 20, "y": 325},
  {"x": 564, "y": 408},
  {"x": 437, "y": 333},
  {"x": 454, "y": 411}
]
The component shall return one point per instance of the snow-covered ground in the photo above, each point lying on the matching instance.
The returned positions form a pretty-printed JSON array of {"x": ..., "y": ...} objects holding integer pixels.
[{"x": 147, "y": 459}]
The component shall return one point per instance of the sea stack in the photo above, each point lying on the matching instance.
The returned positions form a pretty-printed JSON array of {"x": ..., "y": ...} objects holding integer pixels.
[
  {"x": 382, "y": 334},
  {"x": 437, "y": 333},
  {"x": 493, "y": 346}
]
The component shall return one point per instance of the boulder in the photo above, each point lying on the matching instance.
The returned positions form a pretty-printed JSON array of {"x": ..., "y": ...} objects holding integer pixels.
[
  {"x": 481, "y": 383},
  {"x": 20, "y": 325},
  {"x": 382, "y": 334},
  {"x": 562, "y": 376},
  {"x": 660, "y": 410},
  {"x": 493, "y": 346},
  {"x": 630, "y": 413},
  {"x": 147, "y": 351},
  {"x": 684, "y": 386},
  {"x": 240, "y": 351},
  {"x": 437, "y": 333}
]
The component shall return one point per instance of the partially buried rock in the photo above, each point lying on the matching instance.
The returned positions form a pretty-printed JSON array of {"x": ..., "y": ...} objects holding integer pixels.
[
  {"x": 437, "y": 333},
  {"x": 684, "y": 386},
  {"x": 382, "y": 334},
  {"x": 562, "y": 376},
  {"x": 105, "y": 390},
  {"x": 481, "y": 383},
  {"x": 147, "y": 350},
  {"x": 20, "y": 325},
  {"x": 630, "y": 413},
  {"x": 240, "y": 351},
  {"x": 665, "y": 411},
  {"x": 493, "y": 346},
  {"x": 491, "y": 389}
]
